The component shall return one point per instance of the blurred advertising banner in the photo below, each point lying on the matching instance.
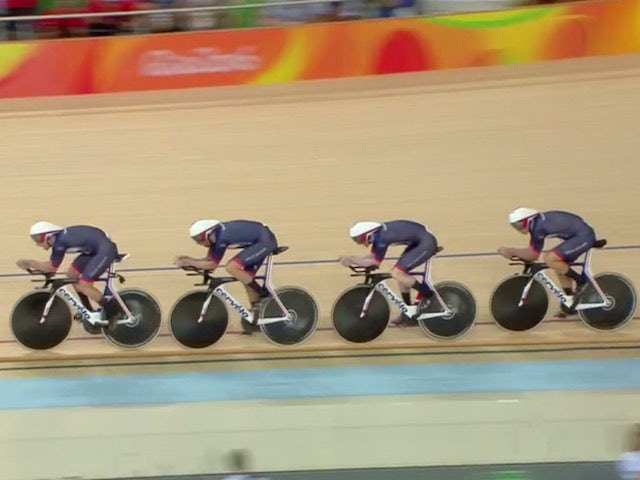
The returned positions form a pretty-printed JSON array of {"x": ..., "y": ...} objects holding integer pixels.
[{"x": 318, "y": 50}]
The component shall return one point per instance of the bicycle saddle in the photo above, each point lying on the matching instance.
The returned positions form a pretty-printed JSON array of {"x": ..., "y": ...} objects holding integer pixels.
[
  {"x": 121, "y": 256},
  {"x": 601, "y": 242}
]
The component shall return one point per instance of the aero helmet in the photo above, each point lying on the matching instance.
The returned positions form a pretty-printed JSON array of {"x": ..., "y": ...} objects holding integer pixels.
[
  {"x": 361, "y": 232},
  {"x": 520, "y": 217},
  {"x": 200, "y": 228},
  {"x": 40, "y": 231}
]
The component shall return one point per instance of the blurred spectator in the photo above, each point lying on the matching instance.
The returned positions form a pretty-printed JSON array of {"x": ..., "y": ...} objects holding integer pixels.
[
  {"x": 162, "y": 22},
  {"x": 63, "y": 27},
  {"x": 238, "y": 462},
  {"x": 628, "y": 465},
  {"x": 387, "y": 8},
  {"x": 246, "y": 16},
  {"x": 19, "y": 29},
  {"x": 399, "y": 8},
  {"x": 112, "y": 25},
  {"x": 197, "y": 20},
  {"x": 284, "y": 14},
  {"x": 439, "y": 7},
  {"x": 335, "y": 13},
  {"x": 313, "y": 12},
  {"x": 407, "y": 8}
]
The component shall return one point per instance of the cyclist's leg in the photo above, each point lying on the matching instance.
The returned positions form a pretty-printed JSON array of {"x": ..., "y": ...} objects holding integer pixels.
[
  {"x": 247, "y": 262},
  {"x": 558, "y": 263},
  {"x": 78, "y": 265},
  {"x": 245, "y": 274},
  {"x": 560, "y": 258},
  {"x": 400, "y": 270},
  {"x": 95, "y": 267},
  {"x": 244, "y": 267},
  {"x": 412, "y": 257},
  {"x": 74, "y": 271}
]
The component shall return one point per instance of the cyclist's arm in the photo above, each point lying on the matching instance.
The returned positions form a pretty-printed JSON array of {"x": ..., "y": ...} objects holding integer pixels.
[
  {"x": 203, "y": 263},
  {"x": 527, "y": 254},
  {"x": 359, "y": 261},
  {"x": 58, "y": 252},
  {"x": 210, "y": 262},
  {"x": 199, "y": 263},
  {"x": 48, "y": 266},
  {"x": 45, "y": 267}
]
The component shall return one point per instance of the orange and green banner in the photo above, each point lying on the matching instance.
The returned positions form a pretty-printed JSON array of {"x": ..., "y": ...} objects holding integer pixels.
[{"x": 317, "y": 51}]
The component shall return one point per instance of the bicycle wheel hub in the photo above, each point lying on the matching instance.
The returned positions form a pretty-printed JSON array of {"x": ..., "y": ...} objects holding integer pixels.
[
  {"x": 293, "y": 317},
  {"x": 450, "y": 314},
  {"x": 132, "y": 321},
  {"x": 610, "y": 303}
]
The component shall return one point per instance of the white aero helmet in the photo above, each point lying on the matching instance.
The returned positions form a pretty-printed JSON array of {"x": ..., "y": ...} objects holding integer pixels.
[
  {"x": 200, "y": 228},
  {"x": 361, "y": 231},
  {"x": 518, "y": 217},
  {"x": 41, "y": 230}
]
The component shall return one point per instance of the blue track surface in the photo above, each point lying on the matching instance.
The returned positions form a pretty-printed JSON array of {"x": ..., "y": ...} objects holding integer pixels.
[{"x": 203, "y": 386}]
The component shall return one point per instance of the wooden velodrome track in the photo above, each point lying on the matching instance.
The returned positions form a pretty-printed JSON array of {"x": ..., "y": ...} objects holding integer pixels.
[{"x": 455, "y": 150}]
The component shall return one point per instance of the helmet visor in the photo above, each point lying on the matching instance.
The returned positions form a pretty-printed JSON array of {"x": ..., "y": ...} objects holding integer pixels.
[
  {"x": 521, "y": 225},
  {"x": 202, "y": 237},
  {"x": 39, "y": 237},
  {"x": 363, "y": 239}
]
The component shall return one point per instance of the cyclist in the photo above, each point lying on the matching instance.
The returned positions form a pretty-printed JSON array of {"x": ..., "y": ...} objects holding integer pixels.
[
  {"x": 577, "y": 238},
  {"x": 420, "y": 246},
  {"x": 97, "y": 253},
  {"x": 255, "y": 239}
]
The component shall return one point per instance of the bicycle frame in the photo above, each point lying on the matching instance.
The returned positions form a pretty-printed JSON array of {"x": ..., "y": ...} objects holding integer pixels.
[
  {"x": 220, "y": 292},
  {"x": 543, "y": 279},
  {"x": 408, "y": 310},
  {"x": 78, "y": 308}
]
